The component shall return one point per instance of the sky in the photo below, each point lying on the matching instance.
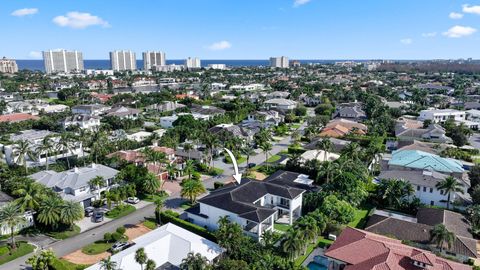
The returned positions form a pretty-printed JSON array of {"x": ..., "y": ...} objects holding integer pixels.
[{"x": 244, "y": 29}]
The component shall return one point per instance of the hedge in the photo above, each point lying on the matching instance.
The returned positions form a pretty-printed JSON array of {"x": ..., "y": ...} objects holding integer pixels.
[
  {"x": 165, "y": 217},
  {"x": 293, "y": 150}
]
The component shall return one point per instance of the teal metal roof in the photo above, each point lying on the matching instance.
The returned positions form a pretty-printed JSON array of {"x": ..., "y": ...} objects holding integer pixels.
[{"x": 422, "y": 160}]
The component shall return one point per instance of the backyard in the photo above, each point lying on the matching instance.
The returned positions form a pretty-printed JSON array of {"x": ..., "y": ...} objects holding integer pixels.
[{"x": 7, "y": 254}]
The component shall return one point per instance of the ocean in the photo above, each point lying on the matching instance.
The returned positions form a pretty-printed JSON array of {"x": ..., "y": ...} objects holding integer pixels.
[{"x": 105, "y": 64}]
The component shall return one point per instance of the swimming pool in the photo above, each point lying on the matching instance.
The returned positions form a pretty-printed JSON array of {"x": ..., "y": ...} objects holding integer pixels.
[{"x": 316, "y": 266}]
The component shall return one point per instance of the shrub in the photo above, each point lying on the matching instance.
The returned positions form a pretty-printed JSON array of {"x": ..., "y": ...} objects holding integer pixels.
[
  {"x": 107, "y": 237},
  {"x": 116, "y": 236},
  {"x": 121, "y": 230},
  {"x": 218, "y": 185},
  {"x": 187, "y": 225},
  {"x": 172, "y": 213}
]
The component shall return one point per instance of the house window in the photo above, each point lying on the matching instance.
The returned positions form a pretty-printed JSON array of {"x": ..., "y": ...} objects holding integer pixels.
[
  {"x": 431, "y": 190},
  {"x": 424, "y": 189},
  {"x": 432, "y": 203},
  {"x": 418, "y": 188}
]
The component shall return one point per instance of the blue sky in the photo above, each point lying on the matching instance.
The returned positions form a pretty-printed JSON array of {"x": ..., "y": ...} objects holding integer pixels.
[{"x": 245, "y": 29}]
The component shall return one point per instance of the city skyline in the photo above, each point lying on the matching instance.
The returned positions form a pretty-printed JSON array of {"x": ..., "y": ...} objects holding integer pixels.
[{"x": 214, "y": 29}]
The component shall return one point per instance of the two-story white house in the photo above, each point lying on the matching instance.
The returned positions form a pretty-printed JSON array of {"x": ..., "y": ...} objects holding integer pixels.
[
  {"x": 254, "y": 205},
  {"x": 90, "y": 109},
  {"x": 440, "y": 116},
  {"x": 35, "y": 138},
  {"x": 74, "y": 184},
  {"x": 281, "y": 104},
  {"x": 83, "y": 121}
]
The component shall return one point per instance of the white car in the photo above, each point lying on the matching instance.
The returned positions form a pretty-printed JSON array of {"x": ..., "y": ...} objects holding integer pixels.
[{"x": 133, "y": 200}]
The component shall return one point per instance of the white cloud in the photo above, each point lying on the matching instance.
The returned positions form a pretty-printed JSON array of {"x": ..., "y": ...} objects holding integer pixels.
[
  {"x": 406, "y": 41},
  {"x": 459, "y": 31},
  {"x": 455, "y": 15},
  {"x": 35, "y": 54},
  {"x": 24, "y": 12},
  {"x": 79, "y": 20},
  {"x": 471, "y": 9},
  {"x": 429, "y": 35},
  {"x": 221, "y": 45},
  {"x": 297, "y": 3}
]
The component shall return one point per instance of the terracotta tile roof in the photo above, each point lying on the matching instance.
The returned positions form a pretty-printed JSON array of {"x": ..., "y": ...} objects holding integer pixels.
[
  {"x": 17, "y": 117},
  {"x": 361, "y": 250}
]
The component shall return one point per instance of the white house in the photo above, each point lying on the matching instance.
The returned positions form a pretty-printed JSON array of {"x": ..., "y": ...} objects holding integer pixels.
[
  {"x": 139, "y": 136},
  {"x": 254, "y": 205},
  {"x": 28, "y": 215},
  {"x": 281, "y": 104},
  {"x": 35, "y": 138},
  {"x": 167, "y": 246},
  {"x": 424, "y": 184},
  {"x": 440, "y": 116},
  {"x": 90, "y": 109},
  {"x": 73, "y": 185},
  {"x": 167, "y": 121},
  {"x": 83, "y": 121}
]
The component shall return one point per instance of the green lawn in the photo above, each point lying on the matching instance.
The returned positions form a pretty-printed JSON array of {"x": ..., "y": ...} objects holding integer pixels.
[
  {"x": 281, "y": 227},
  {"x": 152, "y": 197},
  {"x": 150, "y": 223},
  {"x": 273, "y": 158},
  {"x": 64, "y": 234},
  {"x": 23, "y": 248},
  {"x": 295, "y": 126},
  {"x": 186, "y": 205},
  {"x": 360, "y": 218},
  {"x": 96, "y": 248},
  {"x": 322, "y": 242},
  {"x": 120, "y": 211},
  {"x": 240, "y": 160},
  {"x": 62, "y": 264}
]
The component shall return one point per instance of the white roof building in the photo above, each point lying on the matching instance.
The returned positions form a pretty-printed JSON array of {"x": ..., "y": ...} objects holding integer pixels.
[
  {"x": 319, "y": 155},
  {"x": 167, "y": 246}
]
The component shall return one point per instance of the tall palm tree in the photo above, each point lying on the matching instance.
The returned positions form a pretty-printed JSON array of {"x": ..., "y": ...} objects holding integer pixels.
[
  {"x": 188, "y": 147},
  {"x": 108, "y": 264},
  {"x": 49, "y": 211},
  {"x": 151, "y": 183},
  {"x": 141, "y": 257},
  {"x": 191, "y": 189},
  {"x": 66, "y": 145},
  {"x": 211, "y": 142},
  {"x": 30, "y": 196},
  {"x": 441, "y": 236},
  {"x": 266, "y": 147},
  {"x": 46, "y": 148},
  {"x": 449, "y": 185},
  {"x": 326, "y": 146},
  {"x": 189, "y": 168},
  {"x": 97, "y": 182},
  {"x": 352, "y": 150},
  {"x": 159, "y": 203},
  {"x": 70, "y": 212},
  {"x": 21, "y": 150},
  {"x": 11, "y": 216},
  {"x": 247, "y": 151},
  {"x": 171, "y": 170},
  {"x": 292, "y": 245},
  {"x": 194, "y": 262}
]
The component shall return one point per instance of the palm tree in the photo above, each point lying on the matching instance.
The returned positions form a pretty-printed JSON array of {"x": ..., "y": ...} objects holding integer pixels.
[
  {"x": 151, "y": 183},
  {"x": 65, "y": 145},
  {"x": 22, "y": 150},
  {"x": 46, "y": 148},
  {"x": 151, "y": 265},
  {"x": 49, "y": 211},
  {"x": 292, "y": 245},
  {"x": 211, "y": 142},
  {"x": 194, "y": 262},
  {"x": 189, "y": 168},
  {"x": 266, "y": 147},
  {"x": 352, "y": 150},
  {"x": 191, "y": 189},
  {"x": 97, "y": 182},
  {"x": 140, "y": 257},
  {"x": 108, "y": 264},
  {"x": 248, "y": 151},
  {"x": 441, "y": 236},
  {"x": 326, "y": 146},
  {"x": 70, "y": 212},
  {"x": 29, "y": 197},
  {"x": 188, "y": 147},
  {"x": 11, "y": 216},
  {"x": 171, "y": 170},
  {"x": 159, "y": 203},
  {"x": 449, "y": 185}
]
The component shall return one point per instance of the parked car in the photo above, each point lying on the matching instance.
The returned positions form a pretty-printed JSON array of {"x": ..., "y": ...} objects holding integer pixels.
[
  {"x": 89, "y": 211},
  {"x": 133, "y": 200},
  {"x": 119, "y": 246},
  {"x": 251, "y": 165},
  {"x": 98, "y": 217}
]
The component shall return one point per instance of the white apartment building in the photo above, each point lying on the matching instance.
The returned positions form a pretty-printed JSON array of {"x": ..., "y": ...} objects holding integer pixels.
[
  {"x": 279, "y": 62},
  {"x": 193, "y": 62},
  {"x": 217, "y": 66},
  {"x": 123, "y": 60},
  {"x": 440, "y": 116},
  {"x": 62, "y": 61},
  {"x": 153, "y": 59},
  {"x": 8, "y": 65}
]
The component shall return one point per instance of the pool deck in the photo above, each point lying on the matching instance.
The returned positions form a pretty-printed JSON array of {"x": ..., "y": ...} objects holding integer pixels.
[{"x": 315, "y": 252}]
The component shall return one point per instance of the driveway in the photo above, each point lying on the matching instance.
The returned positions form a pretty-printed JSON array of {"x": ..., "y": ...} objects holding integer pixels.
[{"x": 475, "y": 140}]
